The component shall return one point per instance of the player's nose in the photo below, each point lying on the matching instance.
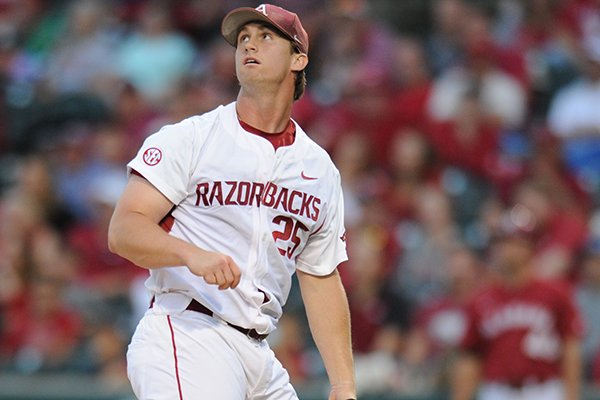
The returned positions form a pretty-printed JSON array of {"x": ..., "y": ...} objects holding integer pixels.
[{"x": 249, "y": 45}]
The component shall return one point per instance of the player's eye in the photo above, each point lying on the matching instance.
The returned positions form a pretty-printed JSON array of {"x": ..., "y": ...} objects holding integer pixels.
[
  {"x": 243, "y": 38},
  {"x": 267, "y": 35}
]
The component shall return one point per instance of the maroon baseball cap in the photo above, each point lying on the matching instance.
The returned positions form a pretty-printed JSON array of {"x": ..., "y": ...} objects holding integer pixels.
[{"x": 283, "y": 20}]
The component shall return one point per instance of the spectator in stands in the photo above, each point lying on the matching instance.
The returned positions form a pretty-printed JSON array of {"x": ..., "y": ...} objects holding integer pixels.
[
  {"x": 425, "y": 243},
  {"x": 199, "y": 19},
  {"x": 543, "y": 31},
  {"x": 412, "y": 165},
  {"x": 368, "y": 106},
  {"x": 379, "y": 314},
  {"x": 575, "y": 120},
  {"x": 444, "y": 41},
  {"x": 136, "y": 116},
  {"x": 468, "y": 140},
  {"x": 489, "y": 221},
  {"x": 441, "y": 320},
  {"x": 559, "y": 232},
  {"x": 218, "y": 76},
  {"x": 101, "y": 285},
  {"x": 547, "y": 166},
  {"x": 361, "y": 180},
  {"x": 42, "y": 332},
  {"x": 349, "y": 39},
  {"x": 439, "y": 324},
  {"x": 108, "y": 345},
  {"x": 37, "y": 268},
  {"x": 502, "y": 97},
  {"x": 73, "y": 168},
  {"x": 374, "y": 307},
  {"x": 33, "y": 199},
  {"x": 289, "y": 346},
  {"x": 583, "y": 17},
  {"x": 410, "y": 74},
  {"x": 83, "y": 58},
  {"x": 155, "y": 58}
]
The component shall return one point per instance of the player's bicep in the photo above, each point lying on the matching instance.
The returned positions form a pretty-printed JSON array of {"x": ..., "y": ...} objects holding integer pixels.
[{"x": 140, "y": 197}]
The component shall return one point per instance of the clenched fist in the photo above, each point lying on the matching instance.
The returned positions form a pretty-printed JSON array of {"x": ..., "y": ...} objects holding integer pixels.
[{"x": 216, "y": 269}]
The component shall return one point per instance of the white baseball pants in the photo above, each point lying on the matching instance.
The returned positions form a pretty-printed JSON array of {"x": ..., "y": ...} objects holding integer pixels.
[{"x": 192, "y": 356}]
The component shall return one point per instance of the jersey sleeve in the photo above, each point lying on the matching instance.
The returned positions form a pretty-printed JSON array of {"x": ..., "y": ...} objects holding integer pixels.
[
  {"x": 165, "y": 159},
  {"x": 326, "y": 247}
]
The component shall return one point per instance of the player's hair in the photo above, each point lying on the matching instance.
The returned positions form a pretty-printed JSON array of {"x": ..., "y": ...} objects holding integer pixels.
[{"x": 300, "y": 80}]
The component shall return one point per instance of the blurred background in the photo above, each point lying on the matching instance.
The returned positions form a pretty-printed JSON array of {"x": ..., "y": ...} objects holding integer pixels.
[{"x": 447, "y": 118}]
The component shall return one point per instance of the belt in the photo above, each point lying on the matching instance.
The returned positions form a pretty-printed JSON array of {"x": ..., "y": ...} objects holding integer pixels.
[
  {"x": 251, "y": 333},
  {"x": 198, "y": 307}
]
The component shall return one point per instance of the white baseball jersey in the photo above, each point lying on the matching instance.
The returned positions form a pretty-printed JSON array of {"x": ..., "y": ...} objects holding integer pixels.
[{"x": 271, "y": 209}]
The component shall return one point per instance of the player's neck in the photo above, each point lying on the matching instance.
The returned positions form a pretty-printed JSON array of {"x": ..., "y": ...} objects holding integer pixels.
[{"x": 267, "y": 113}]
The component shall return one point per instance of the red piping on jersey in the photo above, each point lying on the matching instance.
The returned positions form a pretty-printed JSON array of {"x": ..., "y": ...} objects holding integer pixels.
[
  {"x": 280, "y": 139},
  {"x": 175, "y": 357}
]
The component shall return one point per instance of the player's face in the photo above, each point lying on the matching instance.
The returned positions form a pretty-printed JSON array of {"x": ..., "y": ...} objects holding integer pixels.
[
  {"x": 511, "y": 255},
  {"x": 263, "y": 56}
]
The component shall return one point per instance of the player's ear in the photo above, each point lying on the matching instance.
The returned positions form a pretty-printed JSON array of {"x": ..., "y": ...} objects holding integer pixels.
[{"x": 299, "y": 61}]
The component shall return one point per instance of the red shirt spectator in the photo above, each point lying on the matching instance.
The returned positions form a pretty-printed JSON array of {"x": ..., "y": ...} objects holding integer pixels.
[
  {"x": 467, "y": 141},
  {"x": 41, "y": 331}
]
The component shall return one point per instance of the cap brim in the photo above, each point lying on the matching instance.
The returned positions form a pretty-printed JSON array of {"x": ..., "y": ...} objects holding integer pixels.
[{"x": 240, "y": 17}]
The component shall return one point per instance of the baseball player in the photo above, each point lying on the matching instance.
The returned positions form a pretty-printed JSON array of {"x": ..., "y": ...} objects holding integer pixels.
[
  {"x": 223, "y": 208},
  {"x": 522, "y": 338}
]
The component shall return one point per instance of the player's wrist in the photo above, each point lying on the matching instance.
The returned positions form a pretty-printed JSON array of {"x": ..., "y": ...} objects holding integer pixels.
[
  {"x": 344, "y": 390},
  {"x": 193, "y": 256},
  {"x": 186, "y": 252}
]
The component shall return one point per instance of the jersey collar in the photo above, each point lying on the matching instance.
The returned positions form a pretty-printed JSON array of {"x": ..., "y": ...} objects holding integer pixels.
[{"x": 280, "y": 139}]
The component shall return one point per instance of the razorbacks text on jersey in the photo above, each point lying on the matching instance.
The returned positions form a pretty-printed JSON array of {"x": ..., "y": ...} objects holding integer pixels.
[{"x": 271, "y": 208}]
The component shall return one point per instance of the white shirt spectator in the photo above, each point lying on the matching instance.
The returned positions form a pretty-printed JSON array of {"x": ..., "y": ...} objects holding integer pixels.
[{"x": 500, "y": 94}]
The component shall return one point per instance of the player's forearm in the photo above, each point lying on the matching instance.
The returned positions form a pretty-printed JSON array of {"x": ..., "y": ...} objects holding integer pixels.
[
  {"x": 465, "y": 377},
  {"x": 572, "y": 368},
  {"x": 143, "y": 242},
  {"x": 329, "y": 319}
]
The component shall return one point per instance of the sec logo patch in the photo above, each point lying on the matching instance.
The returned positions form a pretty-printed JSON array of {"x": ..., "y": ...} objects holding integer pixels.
[{"x": 152, "y": 156}]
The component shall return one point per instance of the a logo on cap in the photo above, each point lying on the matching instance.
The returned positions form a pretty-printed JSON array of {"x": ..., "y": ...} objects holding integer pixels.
[{"x": 262, "y": 8}]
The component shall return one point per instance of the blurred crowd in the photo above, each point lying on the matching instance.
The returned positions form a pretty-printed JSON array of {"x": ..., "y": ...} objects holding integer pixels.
[{"x": 448, "y": 120}]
